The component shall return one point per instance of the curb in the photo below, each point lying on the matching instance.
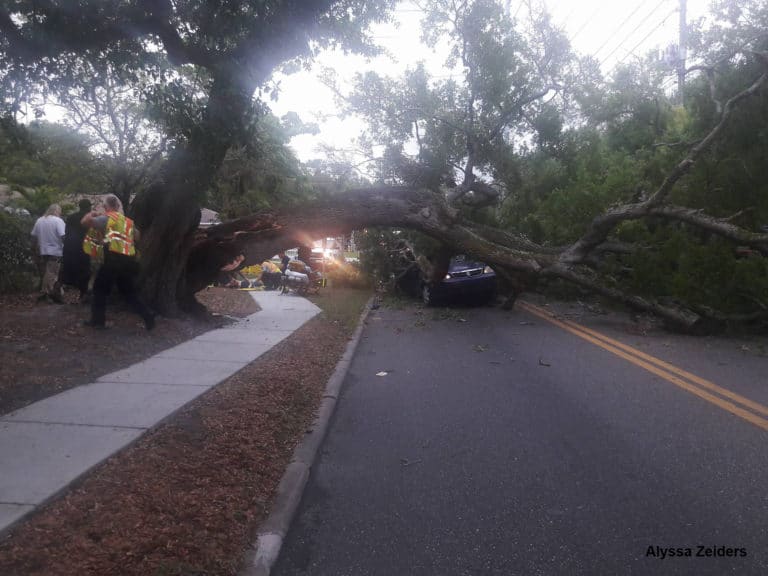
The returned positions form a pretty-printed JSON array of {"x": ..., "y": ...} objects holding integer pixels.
[{"x": 263, "y": 553}]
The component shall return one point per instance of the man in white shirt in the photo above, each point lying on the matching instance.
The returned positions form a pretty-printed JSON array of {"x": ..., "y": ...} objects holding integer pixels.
[{"x": 48, "y": 242}]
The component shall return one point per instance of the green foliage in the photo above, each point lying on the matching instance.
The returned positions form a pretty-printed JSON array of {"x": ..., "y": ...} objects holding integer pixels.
[
  {"x": 45, "y": 162},
  {"x": 264, "y": 173},
  {"x": 734, "y": 177},
  {"x": 700, "y": 273},
  {"x": 16, "y": 270},
  {"x": 507, "y": 66},
  {"x": 375, "y": 245},
  {"x": 37, "y": 200},
  {"x": 565, "y": 213}
]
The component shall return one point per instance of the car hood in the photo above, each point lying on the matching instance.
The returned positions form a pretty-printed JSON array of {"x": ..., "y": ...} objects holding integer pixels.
[{"x": 462, "y": 266}]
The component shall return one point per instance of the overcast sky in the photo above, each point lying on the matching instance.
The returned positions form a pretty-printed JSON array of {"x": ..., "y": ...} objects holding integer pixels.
[{"x": 611, "y": 30}]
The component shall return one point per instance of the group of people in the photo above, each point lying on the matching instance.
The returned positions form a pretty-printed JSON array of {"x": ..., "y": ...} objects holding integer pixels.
[
  {"x": 92, "y": 247},
  {"x": 273, "y": 276}
]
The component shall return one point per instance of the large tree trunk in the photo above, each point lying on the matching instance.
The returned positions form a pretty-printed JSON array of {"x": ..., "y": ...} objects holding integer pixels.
[{"x": 168, "y": 212}]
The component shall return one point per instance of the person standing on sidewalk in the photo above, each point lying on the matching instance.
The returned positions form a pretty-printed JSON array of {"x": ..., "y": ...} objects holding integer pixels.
[
  {"x": 48, "y": 244},
  {"x": 120, "y": 266}
]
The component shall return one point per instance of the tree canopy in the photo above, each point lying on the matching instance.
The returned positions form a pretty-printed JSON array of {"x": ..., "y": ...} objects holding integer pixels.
[{"x": 527, "y": 158}]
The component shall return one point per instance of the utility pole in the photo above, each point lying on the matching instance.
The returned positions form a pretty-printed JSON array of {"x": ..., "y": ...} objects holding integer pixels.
[{"x": 681, "y": 54}]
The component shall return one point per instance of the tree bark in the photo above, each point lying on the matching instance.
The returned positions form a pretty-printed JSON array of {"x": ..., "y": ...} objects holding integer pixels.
[{"x": 169, "y": 210}]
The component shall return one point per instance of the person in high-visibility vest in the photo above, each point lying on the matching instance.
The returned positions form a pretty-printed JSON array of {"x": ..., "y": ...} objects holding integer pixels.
[{"x": 120, "y": 266}]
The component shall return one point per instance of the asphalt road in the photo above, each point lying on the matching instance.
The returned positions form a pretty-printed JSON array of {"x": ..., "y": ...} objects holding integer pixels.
[{"x": 499, "y": 443}]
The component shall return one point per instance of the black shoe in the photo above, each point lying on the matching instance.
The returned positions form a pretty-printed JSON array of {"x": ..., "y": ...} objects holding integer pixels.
[{"x": 92, "y": 324}]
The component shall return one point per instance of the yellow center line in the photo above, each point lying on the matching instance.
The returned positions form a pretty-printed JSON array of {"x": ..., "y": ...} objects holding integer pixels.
[
  {"x": 657, "y": 361},
  {"x": 660, "y": 368}
]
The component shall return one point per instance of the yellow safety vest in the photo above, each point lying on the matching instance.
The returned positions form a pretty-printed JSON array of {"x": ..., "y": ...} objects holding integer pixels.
[
  {"x": 93, "y": 244},
  {"x": 118, "y": 236}
]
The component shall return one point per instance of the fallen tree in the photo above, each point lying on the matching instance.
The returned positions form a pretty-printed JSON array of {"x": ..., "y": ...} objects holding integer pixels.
[
  {"x": 443, "y": 212},
  {"x": 518, "y": 259},
  {"x": 206, "y": 65}
]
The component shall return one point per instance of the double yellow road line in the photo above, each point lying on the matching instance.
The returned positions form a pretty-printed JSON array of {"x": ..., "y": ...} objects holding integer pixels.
[{"x": 736, "y": 404}]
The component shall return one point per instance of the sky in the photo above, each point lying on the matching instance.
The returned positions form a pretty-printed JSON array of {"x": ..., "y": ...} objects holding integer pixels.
[{"x": 613, "y": 31}]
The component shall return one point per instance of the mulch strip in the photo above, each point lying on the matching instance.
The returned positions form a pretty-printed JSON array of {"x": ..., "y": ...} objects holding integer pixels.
[
  {"x": 45, "y": 349},
  {"x": 186, "y": 499}
]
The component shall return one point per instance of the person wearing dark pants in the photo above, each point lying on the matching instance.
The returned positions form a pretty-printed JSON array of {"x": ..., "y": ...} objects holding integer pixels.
[
  {"x": 76, "y": 263},
  {"x": 120, "y": 266},
  {"x": 121, "y": 270}
]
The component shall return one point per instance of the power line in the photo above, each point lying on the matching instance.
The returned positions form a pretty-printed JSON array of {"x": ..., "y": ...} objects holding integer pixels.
[
  {"x": 669, "y": 82},
  {"x": 616, "y": 31},
  {"x": 632, "y": 51},
  {"x": 587, "y": 21},
  {"x": 574, "y": 6},
  {"x": 519, "y": 6},
  {"x": 635, "y": 29}
]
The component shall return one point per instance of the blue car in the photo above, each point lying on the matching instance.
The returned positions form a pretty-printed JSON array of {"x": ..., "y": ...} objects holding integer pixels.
[{"x": 467, "y": 281}]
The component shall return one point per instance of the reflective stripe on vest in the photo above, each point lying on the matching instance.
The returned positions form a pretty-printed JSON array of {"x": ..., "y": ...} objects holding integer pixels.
[
  {"x": 93, "y": 244},
  {"x": 119, "y": 234}
]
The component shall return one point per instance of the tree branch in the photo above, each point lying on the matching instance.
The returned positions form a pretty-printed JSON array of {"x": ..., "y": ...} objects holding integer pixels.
[
  {"x": 680, "y": 317},
  {"x": 604, "y": 224},
  {"x": 84, "y": 32}
]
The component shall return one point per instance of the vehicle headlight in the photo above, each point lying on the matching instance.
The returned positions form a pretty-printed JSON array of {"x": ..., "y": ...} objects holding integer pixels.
[
  {"x": 447, "y": 277},
  {"x": 487, "y": 270}
]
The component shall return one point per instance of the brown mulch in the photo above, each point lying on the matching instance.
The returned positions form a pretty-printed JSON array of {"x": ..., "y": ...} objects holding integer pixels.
[
  {"x": 186, "y": 498},
  {"x": 45, "y": 349}
]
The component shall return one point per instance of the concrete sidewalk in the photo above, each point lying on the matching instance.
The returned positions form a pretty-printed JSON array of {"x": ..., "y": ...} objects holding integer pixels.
[{"x": 47, "y": 445}]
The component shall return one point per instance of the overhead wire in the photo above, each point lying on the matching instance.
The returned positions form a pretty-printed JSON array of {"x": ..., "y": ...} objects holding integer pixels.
[
  {"x": 519, "y": 7},
  {"x": 574, "y": 6},
  {"x": 618, "y": 29},
  {"x": 668, "y": 83},
  {"x": 587, "y": 21},
  {"x": 636, "y": 46},
  {"x": 635, "y": 29},
  {"x": 582, "y": 27}
]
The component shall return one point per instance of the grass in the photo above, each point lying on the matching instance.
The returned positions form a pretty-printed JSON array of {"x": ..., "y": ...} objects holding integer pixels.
[{"x": 342, "y": 305}]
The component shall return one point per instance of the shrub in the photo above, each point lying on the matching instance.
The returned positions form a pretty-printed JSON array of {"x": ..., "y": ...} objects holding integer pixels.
[{"x": 17, "y": 273}]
